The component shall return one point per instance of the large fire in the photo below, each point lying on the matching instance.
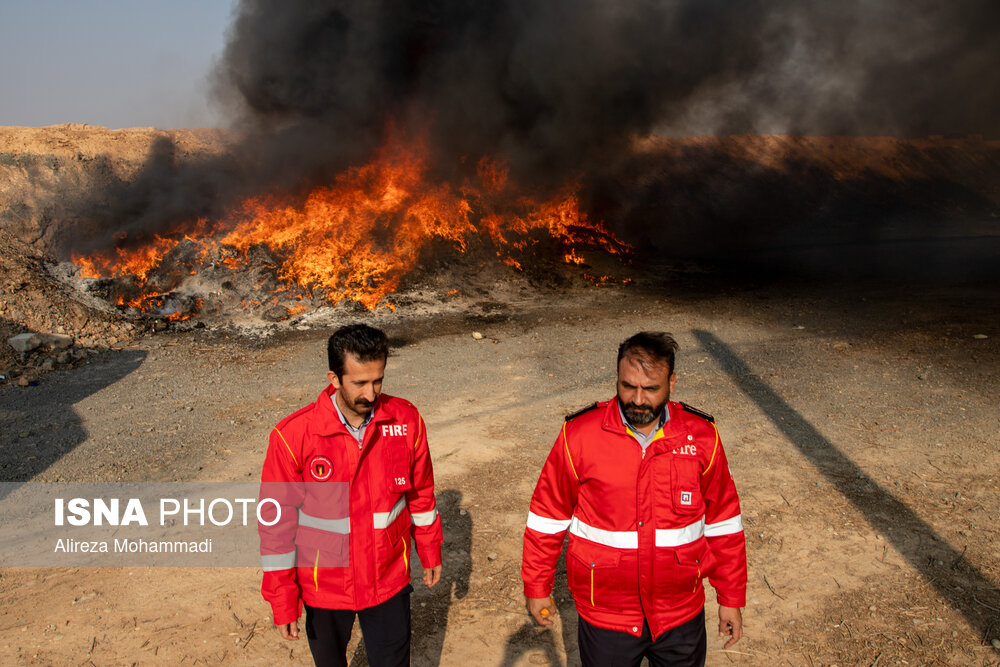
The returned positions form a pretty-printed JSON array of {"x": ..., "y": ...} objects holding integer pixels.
[{"x": 358, "y": 237}]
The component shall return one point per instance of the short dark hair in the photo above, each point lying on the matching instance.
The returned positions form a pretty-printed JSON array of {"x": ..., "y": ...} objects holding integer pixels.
[
  {"x": 657, "y": 345},
  {"x": 364, "y": 342}
]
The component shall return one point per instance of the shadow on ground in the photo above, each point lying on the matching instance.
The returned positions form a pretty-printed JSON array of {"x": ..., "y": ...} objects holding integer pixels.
[
  {"x": 533, "y": 640},
  {"x": 39, "y": 425},
  {"x": 959, "y": 584}
]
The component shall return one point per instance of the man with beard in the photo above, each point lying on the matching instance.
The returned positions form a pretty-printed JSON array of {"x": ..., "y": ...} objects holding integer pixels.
[
  {"x": 352, "y": 475},
  {"x": 643, "y": 488}
]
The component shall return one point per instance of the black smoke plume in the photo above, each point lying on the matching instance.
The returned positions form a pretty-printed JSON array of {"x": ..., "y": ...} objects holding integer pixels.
[{"x": 560, "y": 87}]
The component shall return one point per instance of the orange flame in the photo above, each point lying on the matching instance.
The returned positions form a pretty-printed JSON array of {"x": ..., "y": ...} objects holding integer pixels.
[
  {"x": 358, "y": 237},
  {"x": 136, "y": 262}
]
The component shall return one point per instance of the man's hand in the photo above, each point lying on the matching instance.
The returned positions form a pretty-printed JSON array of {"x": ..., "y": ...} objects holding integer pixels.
[
  {"x": 542, "y": 610},
  {"x": 289, "y": 630},
  {"x": 730, "y": 624},
  {"x": 432, "y": 576}
]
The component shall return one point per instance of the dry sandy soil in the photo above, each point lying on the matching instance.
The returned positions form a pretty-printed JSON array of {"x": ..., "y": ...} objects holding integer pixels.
[{"x": 861, "y": 426}]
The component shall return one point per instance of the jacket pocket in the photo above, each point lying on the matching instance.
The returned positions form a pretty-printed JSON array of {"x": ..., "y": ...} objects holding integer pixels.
[
  {"x": 593, "y": 573},
  {"x": 398, "y": 466},
  {"x": 393, "y": 561},
  {"x": 685, "y": 487},
  {"x": 321, "y": 551},
  {"x": 320, "y": 548},
  {"x": 680, "y": 569}
]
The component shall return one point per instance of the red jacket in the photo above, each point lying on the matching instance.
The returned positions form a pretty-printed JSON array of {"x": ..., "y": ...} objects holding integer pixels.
[
  {"x": 342, "y": 540},
  {"x": 644, "y": 528}
]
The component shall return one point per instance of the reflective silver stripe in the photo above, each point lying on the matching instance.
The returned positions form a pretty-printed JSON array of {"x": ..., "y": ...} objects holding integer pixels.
[
  {"x": 619, "y": 539},
  {"x": 329, "y": 525},
  {"x": 546, "y": 525},
  {"x": 727, "y": 527},
  {"x": 629, "y": 539},
  {"x": 424, "y": 518},
  {"x": 385, "y": 519},
  {"x": 675, "y": 537},
  {"x": 275, "y": 562}
]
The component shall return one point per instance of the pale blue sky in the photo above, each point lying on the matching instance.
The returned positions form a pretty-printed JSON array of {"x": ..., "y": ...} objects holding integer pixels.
[{"x": 117, "y": 63}]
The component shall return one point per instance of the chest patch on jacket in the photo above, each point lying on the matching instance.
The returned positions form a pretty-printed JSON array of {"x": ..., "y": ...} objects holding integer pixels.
[
  {"x": 685, "y": 497},
  {"x": 320, "y": 467},
  {"x": 393, "y": 429}
]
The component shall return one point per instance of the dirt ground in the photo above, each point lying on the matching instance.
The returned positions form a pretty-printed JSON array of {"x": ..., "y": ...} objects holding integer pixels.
[{"x": 861, "y": 426}]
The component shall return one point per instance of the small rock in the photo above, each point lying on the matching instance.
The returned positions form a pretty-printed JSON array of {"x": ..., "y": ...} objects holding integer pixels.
[
  {"x": 981, "y": 337},
  {"x": 841, "y": 345},
  {"x": 477, "y": 335},
  {"x": 64, "y": 357},
  {"x": 491, "y": 555},
  {"x": 462, "y": 512},
  {"x": 56, "y": 341},
  {"x": 47, "y": 364},
  {"x": 275, "y": 313},
  {"x": 25, "y": 342},
  {"x": 996, "y": 644},
  {"x": 24, "y": 381}
]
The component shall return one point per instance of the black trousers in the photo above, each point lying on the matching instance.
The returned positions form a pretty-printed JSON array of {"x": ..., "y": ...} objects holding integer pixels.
[
  {"x": 384, "y": 627},
  {"x": 683, "y": 646}
]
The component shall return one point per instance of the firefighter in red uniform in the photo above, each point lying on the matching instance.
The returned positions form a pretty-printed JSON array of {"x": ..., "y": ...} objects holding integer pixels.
[
  {"x": 642, "y": 485},
  {"x": 351, "y": 475}
]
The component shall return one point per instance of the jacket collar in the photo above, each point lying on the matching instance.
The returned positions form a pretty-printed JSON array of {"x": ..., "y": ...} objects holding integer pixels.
[
  {"x": 326, "y": 421},
  {"x": 613, "y": 419}
]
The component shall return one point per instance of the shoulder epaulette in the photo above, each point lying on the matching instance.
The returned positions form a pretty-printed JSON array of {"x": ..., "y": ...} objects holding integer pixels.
[
  {"x": 581, "y": 411},
  {"x": 696, "y": 411}
]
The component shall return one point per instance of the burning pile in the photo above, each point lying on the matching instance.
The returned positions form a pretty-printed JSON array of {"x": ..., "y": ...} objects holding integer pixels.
[
  {"x": 396, "y": 98},
  {"x": 353, "y": 240}
]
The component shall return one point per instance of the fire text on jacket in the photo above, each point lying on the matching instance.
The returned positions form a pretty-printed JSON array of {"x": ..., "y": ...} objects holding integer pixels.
[{"x": 393, "y": 429}]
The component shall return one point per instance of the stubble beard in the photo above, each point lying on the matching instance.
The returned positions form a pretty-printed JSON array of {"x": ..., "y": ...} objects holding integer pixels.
[{"x": 641, "y": 415}]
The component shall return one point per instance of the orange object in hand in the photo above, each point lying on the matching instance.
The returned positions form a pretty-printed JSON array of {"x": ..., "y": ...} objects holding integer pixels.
[{"x": 545, "y": 611}]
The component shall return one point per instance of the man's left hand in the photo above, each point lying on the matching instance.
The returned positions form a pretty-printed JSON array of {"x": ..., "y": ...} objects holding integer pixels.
[
  {"x": 730, "y": 624},
  {"x": 433, "y": 575}
]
